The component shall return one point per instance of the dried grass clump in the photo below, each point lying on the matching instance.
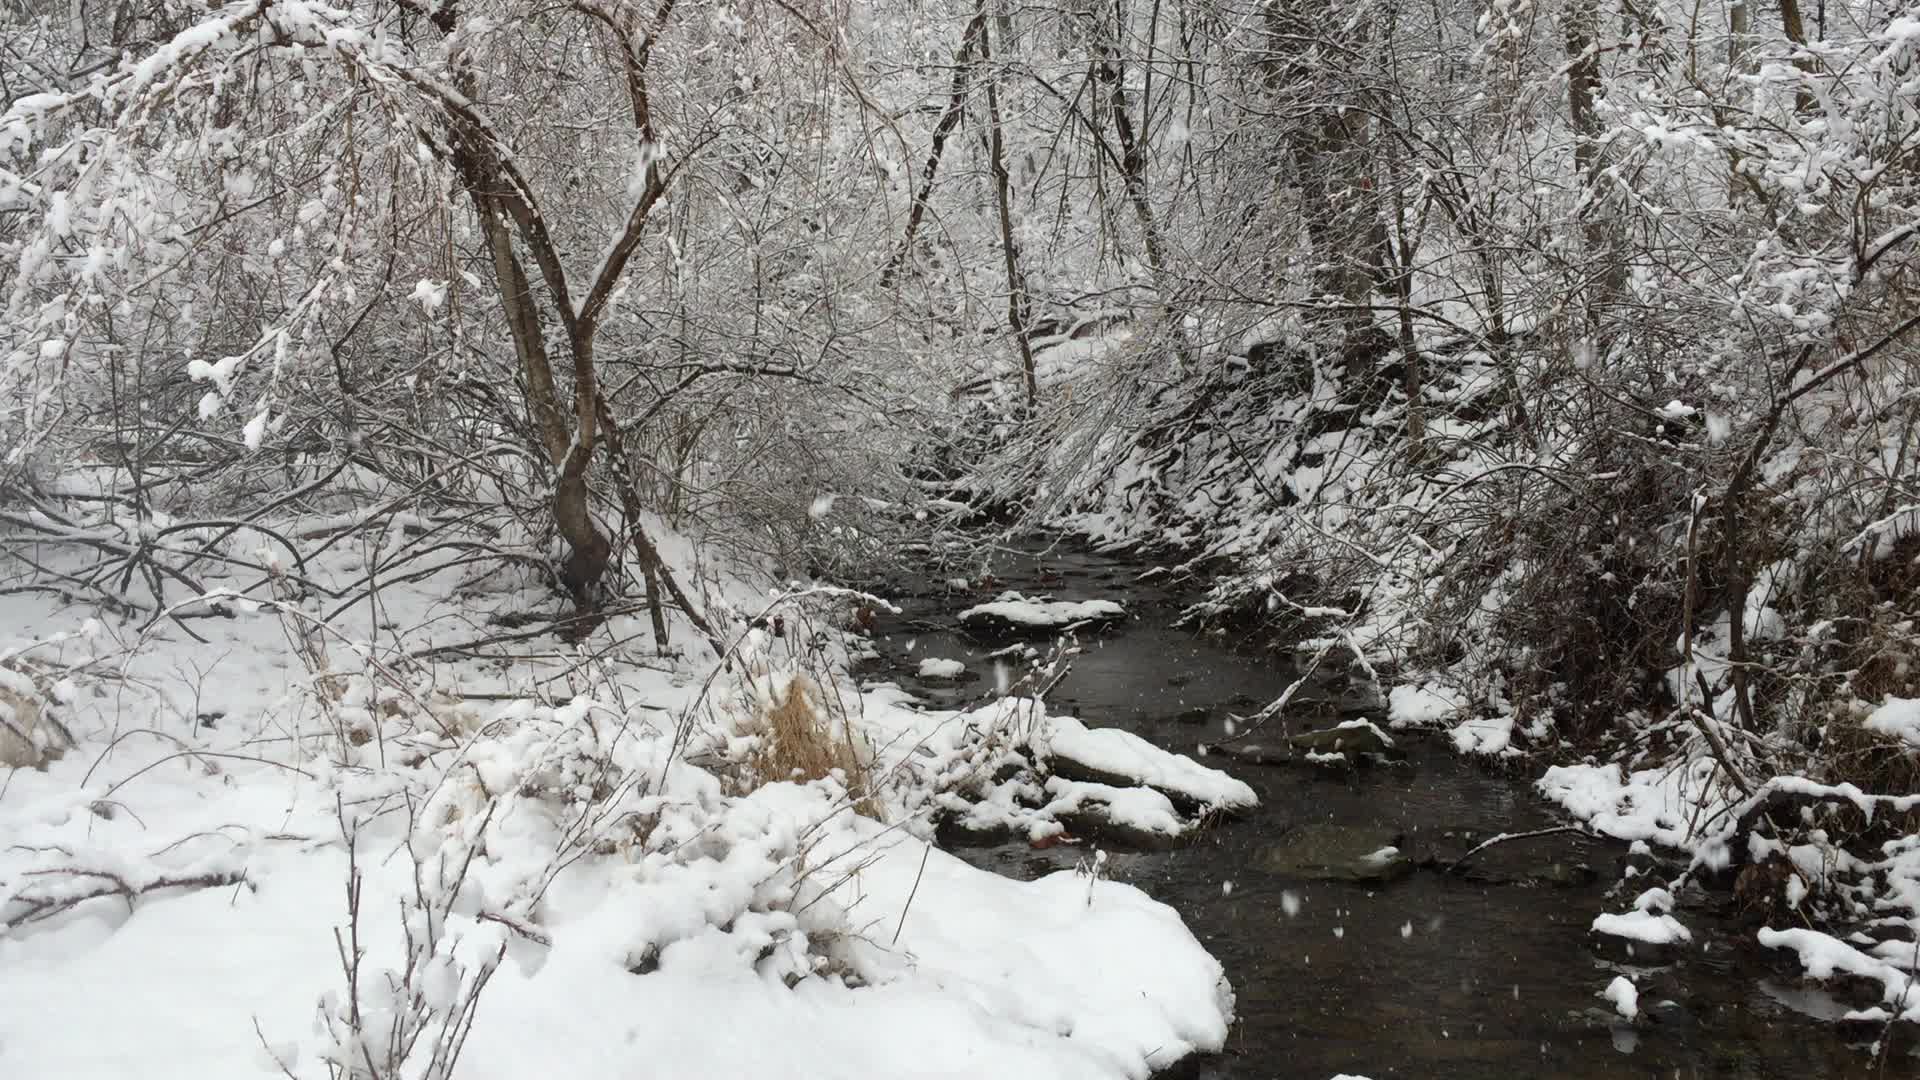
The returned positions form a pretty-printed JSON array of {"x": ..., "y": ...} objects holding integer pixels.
[
  {"x": 19, "y": 718},
  {"x": 799, "y": 741},
  {"x": 30, "y": 737}
]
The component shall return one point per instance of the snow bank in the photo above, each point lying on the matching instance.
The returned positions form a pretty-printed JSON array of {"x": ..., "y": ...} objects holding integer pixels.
[
  {"x": 646, "y": 910},
  {"x": 1065, "y": 976},
  {"x": 1654, "y": 805},
  {"x": 1824, "y": 956}
]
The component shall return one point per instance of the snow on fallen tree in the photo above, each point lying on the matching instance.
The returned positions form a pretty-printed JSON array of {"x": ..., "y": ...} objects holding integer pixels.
[{"x": 1824, "y": 956}]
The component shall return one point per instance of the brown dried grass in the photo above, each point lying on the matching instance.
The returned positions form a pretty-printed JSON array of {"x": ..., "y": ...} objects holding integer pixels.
[
  {"x": 798, "y": 742},
  {"x": 25, "y": 725},
  {"x": 19, "y": 716}
]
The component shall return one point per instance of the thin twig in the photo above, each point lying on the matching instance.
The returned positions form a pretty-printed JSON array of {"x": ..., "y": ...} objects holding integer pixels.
[
  {"x": 1454, "y": 866},
  {"x": 911, "y": 893}
]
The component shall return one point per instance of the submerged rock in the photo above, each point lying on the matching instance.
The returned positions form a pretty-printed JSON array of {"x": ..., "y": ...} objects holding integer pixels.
[
  {"x": 1362, "y": 854},
  {"x": 1254, "y": 753},
  {"x": 1561, "y": 874}
]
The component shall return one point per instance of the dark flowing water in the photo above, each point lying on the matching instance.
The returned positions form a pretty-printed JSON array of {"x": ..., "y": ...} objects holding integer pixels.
[{"x": 1433, "y": 976}]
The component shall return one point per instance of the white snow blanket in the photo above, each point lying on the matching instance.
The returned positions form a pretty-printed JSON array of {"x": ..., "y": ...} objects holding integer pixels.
[
  {"x": 170, "y": 891},
  {"x": 962, "y": 972}
]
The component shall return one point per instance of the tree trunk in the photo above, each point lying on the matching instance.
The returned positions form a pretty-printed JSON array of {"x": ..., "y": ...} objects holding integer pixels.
[
  {"x": 1583, "y": 83},
  {"x": 1110, "y": 70},
  {"x": 1796, "y": 31},
  {"x": 949, "y": 119},
  {"x": 1338, "y": 200},
  {"x": 1404, "y": 248},
  {"x": 1019, "y": 314}
]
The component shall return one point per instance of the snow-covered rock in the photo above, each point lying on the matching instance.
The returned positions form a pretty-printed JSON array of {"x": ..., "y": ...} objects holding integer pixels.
[
  {"x": 1647, "y": 934},
  {"x": 1350, "y": 740},
  {"x": 1625, "y": 999},
  {"x": 1134, "y": 817},
  {"x": 1121, "y": 758},
  {"x": 936, "y": 667},
  {"x": 1012, "y": 616}
]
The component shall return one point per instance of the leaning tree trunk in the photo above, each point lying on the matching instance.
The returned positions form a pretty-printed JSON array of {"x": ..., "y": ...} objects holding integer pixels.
[{"x": 511, "y": 221}]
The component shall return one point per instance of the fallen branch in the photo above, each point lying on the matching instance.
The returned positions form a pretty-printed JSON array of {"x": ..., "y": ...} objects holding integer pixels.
[
  {"x": 1454, "y": 866},
  {"x": 32, "y": 908}
]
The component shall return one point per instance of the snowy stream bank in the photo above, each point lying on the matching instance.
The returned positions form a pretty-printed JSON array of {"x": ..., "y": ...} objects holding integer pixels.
[
  {"x": 1340, "y": 968},
  {"x": 634, "y": 912},
  {"x": 261, "y": 861}
]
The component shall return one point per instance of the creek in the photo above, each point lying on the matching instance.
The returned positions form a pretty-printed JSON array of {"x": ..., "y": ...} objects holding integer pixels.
[{"x": 1433, "y": 975}]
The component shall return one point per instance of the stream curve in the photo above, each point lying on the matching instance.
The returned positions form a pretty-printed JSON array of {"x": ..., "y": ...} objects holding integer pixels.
[{"x": 1491, "y": 975}]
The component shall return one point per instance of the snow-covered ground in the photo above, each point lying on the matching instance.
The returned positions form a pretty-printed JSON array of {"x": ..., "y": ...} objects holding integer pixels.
[{"x": 292, "y": 845}]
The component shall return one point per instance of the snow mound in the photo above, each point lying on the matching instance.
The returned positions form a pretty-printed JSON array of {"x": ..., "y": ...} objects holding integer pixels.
[
  {"x": 1898, "y": 717},
  {"x": 1421, "y": 706},
  {"x": 1015, "y": 612},
  {"x": 1485, "y": 735},
  {"x": 1008, "y": 767},
  {"x": 1625, "y": 999},
  {"x": 1648, "y": 922},
  {"x": 1643, "y": 926},
  {"x": 934, "y": 667}
]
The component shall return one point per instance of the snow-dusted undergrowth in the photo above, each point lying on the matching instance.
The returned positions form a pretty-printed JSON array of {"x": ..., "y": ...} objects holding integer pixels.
[
  {"x": 329, "y": 849},
  {"x": 1638, "y": 506}
]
